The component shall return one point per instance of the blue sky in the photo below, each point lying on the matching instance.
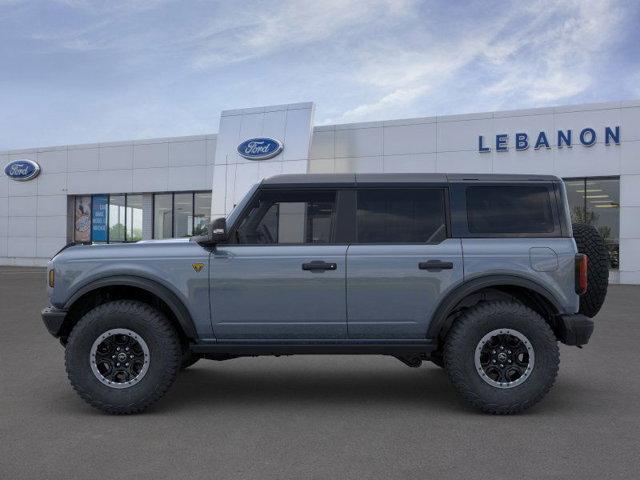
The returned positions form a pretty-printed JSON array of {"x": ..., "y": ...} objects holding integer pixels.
[{"x": 76, "y": 71}]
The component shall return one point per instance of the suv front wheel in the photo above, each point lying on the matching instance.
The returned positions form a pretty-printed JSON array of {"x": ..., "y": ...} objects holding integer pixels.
[
  {"x": 122, "y": 356},
  {"x": 502, "y": 357}
]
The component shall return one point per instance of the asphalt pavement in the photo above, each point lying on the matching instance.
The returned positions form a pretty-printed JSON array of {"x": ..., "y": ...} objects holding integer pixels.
[{"x": 320, "y": 417}]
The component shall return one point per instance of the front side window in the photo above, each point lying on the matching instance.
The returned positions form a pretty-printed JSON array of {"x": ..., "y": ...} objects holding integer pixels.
[
  {"x": 401, "y": 216},
  {"x": 513, "y": 209},
  {"x": 288, "y": 218}
]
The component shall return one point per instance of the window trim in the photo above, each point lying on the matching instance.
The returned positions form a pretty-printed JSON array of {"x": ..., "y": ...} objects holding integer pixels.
[{"x": 444, "y": 190}]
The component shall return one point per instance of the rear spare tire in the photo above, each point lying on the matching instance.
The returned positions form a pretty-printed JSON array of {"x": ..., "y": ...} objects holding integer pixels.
[{"x": 590, "y": 242}]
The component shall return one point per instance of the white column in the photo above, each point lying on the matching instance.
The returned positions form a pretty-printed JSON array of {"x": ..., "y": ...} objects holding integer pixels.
[
  {"x": 630, "y": 229},
  {"x": 233, "y": 175}
]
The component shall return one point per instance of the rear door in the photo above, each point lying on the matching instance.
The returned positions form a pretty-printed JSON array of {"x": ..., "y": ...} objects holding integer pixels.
[{"x": 401, "y": 262}]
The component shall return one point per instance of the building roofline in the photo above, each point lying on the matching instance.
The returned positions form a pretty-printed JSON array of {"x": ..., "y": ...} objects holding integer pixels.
[{"x": 355, "y": 125}]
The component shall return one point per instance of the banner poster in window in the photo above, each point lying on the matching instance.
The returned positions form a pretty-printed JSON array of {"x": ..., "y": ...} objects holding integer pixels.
[
  {"x": 99, "y": 209},
  {"x": 82, "y": 220}
]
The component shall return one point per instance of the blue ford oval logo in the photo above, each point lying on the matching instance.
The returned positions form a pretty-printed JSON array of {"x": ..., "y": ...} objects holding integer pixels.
[
  {"x": 22, "y": 170},
  {"x": 260, "y": 148}
]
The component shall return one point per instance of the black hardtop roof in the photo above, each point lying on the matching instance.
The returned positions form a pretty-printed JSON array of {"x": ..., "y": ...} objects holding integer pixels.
[{"x": 355, "y": 179}]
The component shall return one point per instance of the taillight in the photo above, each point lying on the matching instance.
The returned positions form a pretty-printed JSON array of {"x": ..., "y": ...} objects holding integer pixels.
[{"x": 581, "y": 273}]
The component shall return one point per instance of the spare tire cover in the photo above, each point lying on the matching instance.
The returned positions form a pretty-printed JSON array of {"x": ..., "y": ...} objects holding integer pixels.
[{"x": 590, "y": 242}]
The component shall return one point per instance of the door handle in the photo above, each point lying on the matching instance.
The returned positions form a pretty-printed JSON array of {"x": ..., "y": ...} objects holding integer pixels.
[
  {"x": 435, "y": 265},
  {"x": 319, "y": 266}
]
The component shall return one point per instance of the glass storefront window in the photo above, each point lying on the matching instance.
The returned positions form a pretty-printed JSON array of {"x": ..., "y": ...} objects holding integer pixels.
[
  {"x": 117, "y": 218},
  {"x": 596, "y": 202},
  {"x": 183, "y": 214},
  {"x": 162, "y": 215},
  {"x": 82, "y": 219},
  {"x": 134, "y": 218},
  {"x": 201, "y": 212},
  {"x": 99, "y": 217}
]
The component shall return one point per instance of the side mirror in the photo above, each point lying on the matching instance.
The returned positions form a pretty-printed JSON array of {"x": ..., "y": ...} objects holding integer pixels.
[{"x": 218, "y": 231}]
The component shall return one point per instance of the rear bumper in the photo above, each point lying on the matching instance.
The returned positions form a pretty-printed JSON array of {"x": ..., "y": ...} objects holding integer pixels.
[
  {"x": 53, "y": 319},
  {"x": 574, "y": 329}
]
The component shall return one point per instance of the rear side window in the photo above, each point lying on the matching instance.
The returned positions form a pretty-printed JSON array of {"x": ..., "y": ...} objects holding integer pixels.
[
  {"x": 509, "y": 209},
  {"x": 401, "y": 216}
]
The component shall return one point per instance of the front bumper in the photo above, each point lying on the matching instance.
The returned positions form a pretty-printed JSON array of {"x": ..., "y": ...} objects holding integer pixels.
[
  {"x": 53, "y": 319},
  {"x": 574, "y": 329}
]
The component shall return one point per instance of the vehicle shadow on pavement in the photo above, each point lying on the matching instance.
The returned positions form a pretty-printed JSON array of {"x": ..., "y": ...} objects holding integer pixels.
[
  {"x": 205, "y": 384},
  {"x": 426, "y": 387}
]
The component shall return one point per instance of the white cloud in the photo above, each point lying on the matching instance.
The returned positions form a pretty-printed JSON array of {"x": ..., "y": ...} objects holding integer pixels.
[
  {"x": 165, "y": 67},
  {"x": 543, "y": 51},
  {"x": 253, "y": 33},
  {"x": 555, "y": 63}
]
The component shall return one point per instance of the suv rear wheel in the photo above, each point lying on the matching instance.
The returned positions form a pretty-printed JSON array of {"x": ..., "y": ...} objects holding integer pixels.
[
  {"x": 122, "y": 356},
  {"x": 502, "y": 357}
]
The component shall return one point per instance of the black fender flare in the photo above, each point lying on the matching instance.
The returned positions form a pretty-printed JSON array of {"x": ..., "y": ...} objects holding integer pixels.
[
  {"x": 176, "y": 306},
  {"x": 467, "y": 288}
]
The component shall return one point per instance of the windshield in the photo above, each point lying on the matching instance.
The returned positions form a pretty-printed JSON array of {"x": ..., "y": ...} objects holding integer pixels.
[{"x": 233, "y": 214}]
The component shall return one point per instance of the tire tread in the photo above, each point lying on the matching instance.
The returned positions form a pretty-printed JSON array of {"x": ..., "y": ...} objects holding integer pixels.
[
  {"x": 457, "y": 336},
  {"x": 164, "y": 329}
]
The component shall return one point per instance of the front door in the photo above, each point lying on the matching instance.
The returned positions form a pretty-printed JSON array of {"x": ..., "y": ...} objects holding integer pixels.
[
  {"x": 281, "y": 276},
  {"x": 401, "y": 263}
]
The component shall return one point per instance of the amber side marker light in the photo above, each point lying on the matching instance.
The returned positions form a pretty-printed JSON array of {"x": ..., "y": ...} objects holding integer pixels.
[
  {"x": 582, "y": 262},
  {"x": 52, "y": 277}
]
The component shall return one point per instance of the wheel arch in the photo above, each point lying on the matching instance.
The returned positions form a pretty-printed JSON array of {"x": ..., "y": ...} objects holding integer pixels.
[
  {"x": 528, "y": 291},
  {"x": 131, "y": 287}
]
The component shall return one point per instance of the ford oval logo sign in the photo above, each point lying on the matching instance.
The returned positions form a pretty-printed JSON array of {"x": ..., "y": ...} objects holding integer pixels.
[
  {"x": 260, "y": 148},
  {"x": 22, "y": 170}
]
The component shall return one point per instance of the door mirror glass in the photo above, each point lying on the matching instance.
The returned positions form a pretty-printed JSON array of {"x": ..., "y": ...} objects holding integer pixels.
[{"x": 218, "y": 231}]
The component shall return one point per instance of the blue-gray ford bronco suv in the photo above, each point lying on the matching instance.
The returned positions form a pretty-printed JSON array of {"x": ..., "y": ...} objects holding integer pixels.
[{"x": 480, "y": 274}]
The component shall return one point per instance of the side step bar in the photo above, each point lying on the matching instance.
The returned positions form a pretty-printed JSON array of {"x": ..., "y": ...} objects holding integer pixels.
[{"x": 335, "y": 347}]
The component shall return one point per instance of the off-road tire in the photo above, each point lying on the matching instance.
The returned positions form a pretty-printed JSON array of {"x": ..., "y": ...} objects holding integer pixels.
[
  {"x": 164, "y": 352},
  {"x": 463, "y": 339},
  {"x": 188, "y": 358},
  {"x": 590, "y": 242}
]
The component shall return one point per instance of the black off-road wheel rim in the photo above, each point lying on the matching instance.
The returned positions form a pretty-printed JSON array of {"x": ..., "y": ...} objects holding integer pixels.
[
  {"x": 119, "y": 358},
  {"x": 504, "y": 358}
]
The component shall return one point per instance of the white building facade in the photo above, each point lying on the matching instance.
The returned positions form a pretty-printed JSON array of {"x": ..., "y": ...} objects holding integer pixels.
[{"x": 171, "y": 187}]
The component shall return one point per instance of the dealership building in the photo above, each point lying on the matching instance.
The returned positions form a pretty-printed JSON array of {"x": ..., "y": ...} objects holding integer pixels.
[{"x": 171, "y": 187}]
